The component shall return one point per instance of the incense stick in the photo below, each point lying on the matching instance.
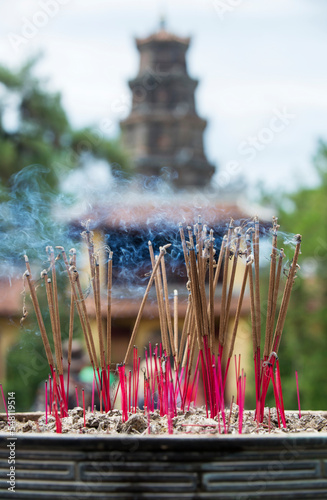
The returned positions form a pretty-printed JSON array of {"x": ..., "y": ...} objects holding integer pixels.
[
  {"x": 287, "y": 294},
  {"x": 271, "y": 289},
  {"x": 257, "y": 281},
  {"x": 72, "y": 251},
  {"x": 109, "y": 305},
  {"x": 98, "y": 310},
  {"x": 239, "y": 305},
  {"x": 167, "y": 307},
  {"x": 231, "y": 282},
  {"x": 211, "y": 291},
  {"x": 139, "y": 315},
  {"x": 79, "y": 302},
  {"x": 252, "y": 306},
  {"x": 158, "y": 287},
  {"x": 224, "y": 287},
  {"x": 56, "y": 340},
  {"x": 40, "y": 320},
  {"x": 176, "y": 323},
  {"x": 275, "y": 297},
  {"x": 56, "y": 307}
]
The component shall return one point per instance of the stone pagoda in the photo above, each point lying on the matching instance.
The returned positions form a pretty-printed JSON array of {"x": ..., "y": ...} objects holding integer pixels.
[{"x": 163, "y": 132}]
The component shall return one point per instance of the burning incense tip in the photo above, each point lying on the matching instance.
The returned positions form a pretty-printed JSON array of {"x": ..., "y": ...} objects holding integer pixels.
[{"x": 250, "y": 259}]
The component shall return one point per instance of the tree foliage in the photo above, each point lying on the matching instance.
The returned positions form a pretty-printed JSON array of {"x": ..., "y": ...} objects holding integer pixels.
[
  {"x": 35, "y": 129},
  {"x": 304, "y": 343}
]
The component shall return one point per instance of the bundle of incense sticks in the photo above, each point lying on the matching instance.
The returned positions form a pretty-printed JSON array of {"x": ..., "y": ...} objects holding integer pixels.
[{"x": 187, "y": 362}]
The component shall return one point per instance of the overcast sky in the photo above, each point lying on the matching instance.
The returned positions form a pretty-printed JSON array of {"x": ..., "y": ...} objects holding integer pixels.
[{"x": 261, "y": 65}]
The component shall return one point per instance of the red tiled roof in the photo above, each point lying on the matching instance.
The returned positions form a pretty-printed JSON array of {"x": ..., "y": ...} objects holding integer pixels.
[{"x": 140, "y": 214}]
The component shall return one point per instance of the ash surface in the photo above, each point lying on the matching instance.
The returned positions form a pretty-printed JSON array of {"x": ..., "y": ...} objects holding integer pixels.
[{"x": 194, "y": 421}]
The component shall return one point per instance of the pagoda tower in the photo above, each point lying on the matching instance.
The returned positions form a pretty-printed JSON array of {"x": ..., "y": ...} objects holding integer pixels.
[{"x": 163, "y": 131}]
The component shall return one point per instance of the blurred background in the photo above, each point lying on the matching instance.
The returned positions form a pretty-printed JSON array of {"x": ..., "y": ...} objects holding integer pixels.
[{"x": 91, "y": 119}]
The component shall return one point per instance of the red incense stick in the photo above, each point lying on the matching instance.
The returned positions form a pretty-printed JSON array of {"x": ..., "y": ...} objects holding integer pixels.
[
  {"x": 298, "y": 393},
  {"x": 46, "y": 401},
  {"x": 93, "y": 387},
  {"x": 83, "y": 406},
  {"x": 77, "y": 403},
  {"x": 4, "y": 402}
]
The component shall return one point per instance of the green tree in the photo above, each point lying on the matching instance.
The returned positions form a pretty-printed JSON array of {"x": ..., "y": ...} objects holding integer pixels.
[
  {"x": 304, "y": 343},
  {"x": 35, "y": 129}
]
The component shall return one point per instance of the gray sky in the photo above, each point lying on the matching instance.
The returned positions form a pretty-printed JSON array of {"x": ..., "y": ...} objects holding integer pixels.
[{"x": 261, "y": 65}]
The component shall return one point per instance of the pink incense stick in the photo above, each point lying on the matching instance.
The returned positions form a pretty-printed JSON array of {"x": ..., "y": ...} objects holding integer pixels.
[
  {"x": 298, "y": 393},
  {"x": 46, "y": 401},
  {"x": 4, "y": 402},
  {"x": 50, "y": 394},
  {"x": 129, "y": 390},
  {"x": 196, "y": 387},
  {"x": 67, "y": 390},
  {"x": 84, "y": 407},
  {"x": 77, "y": 403},
  {"x": 93, "y": 388}
]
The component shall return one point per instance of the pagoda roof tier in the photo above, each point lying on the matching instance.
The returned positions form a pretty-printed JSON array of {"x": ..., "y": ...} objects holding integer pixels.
[{"x": 162, "y": 36}]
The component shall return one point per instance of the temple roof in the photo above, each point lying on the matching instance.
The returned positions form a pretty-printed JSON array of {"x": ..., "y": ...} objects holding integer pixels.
[
  {"x": 136, "y": 213},
  {"x": 162, "y": 36}
]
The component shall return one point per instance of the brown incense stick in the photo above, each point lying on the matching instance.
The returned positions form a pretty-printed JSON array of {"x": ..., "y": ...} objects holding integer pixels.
[
  {"x": 219, "y": 263},
  {"x": 196, "y": 299},
  {"x": 215, "y": 282},
  {"x": 231, "y": 282},
  {"x": 211, "y": 291},
  {"x": 187, "y": 347},
  {"x": 176, "y": 323},
  {"x": 186, "y": 259},
  {"x": 50, "y": 250},
  {"x": 275, "y": 296},
  {"x": 164, "y": 330},
  {"x": 139, "y": 315},
  {"x": 190, "y": 236},
  {"x": 80, "y": 306},
  {"x": 56, "y": 340},
  {"x": 185, "y": 330},
  {"x": 287, "y": 294},
  {"x": 109, "y": 305},
  {"x": 39, "y": 318},
  {"x": 204, "y": 305},
  {"x": 224, "y": 286},
  {"x": 86, "y": 317},
  {"x": 72, "y": 252},
  {"x": 257, "y": 281},
  {"x": 272, "y": 279},
  {"x": 167, "y": 306},
  {"x": 161, "y": 311},
  {"x": 98, "y": 310},
  {"x": 239, "y": 305},
  {"x": 251, "y": 287},
  {"x": 28, "y": 267},
  {"x": 88, "y": 237}
]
